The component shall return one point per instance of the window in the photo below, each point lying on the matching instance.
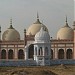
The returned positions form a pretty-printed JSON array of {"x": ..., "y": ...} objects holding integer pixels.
[{"x": 40, "y": 51}]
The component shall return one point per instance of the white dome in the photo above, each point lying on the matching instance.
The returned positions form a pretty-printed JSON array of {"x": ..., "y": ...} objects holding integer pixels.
[
  {"x": 11, "y": 35},
  {"x": 42, "y": 35},
  {"x": 35, "y": 27},
  {"x": 65, "y": 32}
]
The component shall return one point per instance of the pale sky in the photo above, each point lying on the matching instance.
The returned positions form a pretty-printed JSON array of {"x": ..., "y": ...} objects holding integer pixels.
[{"x": 23, "y": 12}]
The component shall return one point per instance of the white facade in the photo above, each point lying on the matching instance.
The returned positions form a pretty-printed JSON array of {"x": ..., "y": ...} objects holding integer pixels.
[{"x": 42, "y": 52}]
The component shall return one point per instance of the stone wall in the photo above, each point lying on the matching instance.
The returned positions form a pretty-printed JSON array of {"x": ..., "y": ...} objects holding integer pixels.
[
  {"x": 62, "y": 61},
  {"x": 33, "y": 63}
]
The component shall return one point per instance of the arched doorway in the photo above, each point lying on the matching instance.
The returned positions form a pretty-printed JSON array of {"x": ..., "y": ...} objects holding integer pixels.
[
  {"x": 51, "y": 54},
  {"x": 3, "y": 54},
  {"x": 31, "y": 51},
  {"x": 61, "y": 54},
  {"x": 69, "y": 54},
  {"x": 10, "y": 54},
  {"x": 20, "y": 54}
]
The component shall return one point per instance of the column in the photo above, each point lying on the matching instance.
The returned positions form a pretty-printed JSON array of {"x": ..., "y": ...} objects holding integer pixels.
[
  {"x": 26, "y": 53},
  {"x": 0, "y": 52},
  {"x": 56, "y": 51},
  {"x": 7, "y": 53},
  {"x": 65, "y": 52},
  {"x": 43, "y": 51},
  {"x": 37, "y": 51},
  {"x": 74, "y": 44},
  {"x": 16, "y": 53},
  {"x": 34, "y": 52}
]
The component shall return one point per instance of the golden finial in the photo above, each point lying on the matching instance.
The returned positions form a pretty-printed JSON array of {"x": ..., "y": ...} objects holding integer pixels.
[
  {"x": 37, "y": 16},
  {"x": 66, "y": 22},
  {"x": 11, "y": 21}
]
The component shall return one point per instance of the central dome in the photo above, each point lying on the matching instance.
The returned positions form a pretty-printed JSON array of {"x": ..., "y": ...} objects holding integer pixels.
[{"x": 35, "y": 27}]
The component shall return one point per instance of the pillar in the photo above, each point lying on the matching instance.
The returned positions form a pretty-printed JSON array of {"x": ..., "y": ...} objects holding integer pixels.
[
  {"x": 74, "y": 39},
  {"x": 25, "y": 40},
  {"x": 26, "y": 52},
  {"x": 56, "y": 53},
  {"x": 74, "y": 45},
  {"x": 16, "y": 54},
  {"x": 0, "y": 32}
]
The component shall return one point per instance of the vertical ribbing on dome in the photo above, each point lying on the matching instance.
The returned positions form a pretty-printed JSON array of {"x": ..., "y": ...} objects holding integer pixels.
[{"x": 42, "y": 28}]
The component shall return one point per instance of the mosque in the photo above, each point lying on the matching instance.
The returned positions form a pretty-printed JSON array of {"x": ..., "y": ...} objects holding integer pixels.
[{"x": 37, "y": 47}]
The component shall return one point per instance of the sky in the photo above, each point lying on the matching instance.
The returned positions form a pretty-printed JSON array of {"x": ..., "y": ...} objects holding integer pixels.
[{"x": 52, "y": 13}]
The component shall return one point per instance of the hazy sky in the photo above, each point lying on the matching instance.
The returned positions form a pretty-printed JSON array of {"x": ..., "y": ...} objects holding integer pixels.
[{"x": 23, "y": 12}]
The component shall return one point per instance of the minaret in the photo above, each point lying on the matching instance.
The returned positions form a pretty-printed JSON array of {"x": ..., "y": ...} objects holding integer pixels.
[
  {"x": 0, "y": 32},
  {"x": 25, "y": 41},
  {"x": 74, "y": 39},
  {"x": 25, "y": 45}
]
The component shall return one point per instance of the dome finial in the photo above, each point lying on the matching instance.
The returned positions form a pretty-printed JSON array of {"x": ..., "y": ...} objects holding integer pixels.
[
  {"x": 11, "y": 27},
  {"x": 37, "y": 22},
  {"x": 66, "y": 19},
  {"x": 66, "y": 22},
  {"x": 11, "y": 21},
  {"x": 37, "y": 16}
]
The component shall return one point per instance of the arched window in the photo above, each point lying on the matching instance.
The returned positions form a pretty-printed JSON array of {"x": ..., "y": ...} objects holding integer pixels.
[
  {"x": 69, "y": 54},
  {"x": 31, "y": 51},
  {"x": 20, "y": 54},
  {"x": 61, "y": 54},
  {"x": 51, "y": 54},
  {"x": 46, "y": 51},
  {"x": 10, "y": 54},
  {"x": 3, "y": 54},
  {"x": 40, "y": 51}
]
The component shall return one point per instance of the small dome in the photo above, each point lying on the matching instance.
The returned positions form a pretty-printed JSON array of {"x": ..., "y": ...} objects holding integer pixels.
[
  {"x": 65, "y": 32},
  {"x": 11, "y": 34},
  {"x": 35, "y": 27},
  {"x": 42, "y": 35}
]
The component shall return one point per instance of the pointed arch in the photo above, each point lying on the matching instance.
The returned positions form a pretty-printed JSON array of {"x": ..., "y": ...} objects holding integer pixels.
[
  {"x": 10, "y": 54},
  {"x": 61, "y": 54},
  {"x": 31, "y": 51},
  {"x": 3, "y": 54},
  {"x": 69, "y": 54},
  {"x": 20, "y": 54}
]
